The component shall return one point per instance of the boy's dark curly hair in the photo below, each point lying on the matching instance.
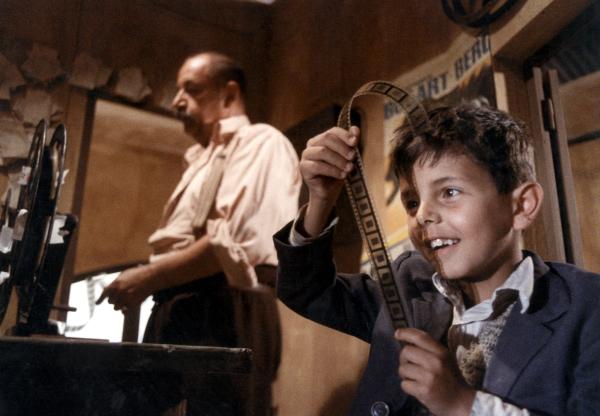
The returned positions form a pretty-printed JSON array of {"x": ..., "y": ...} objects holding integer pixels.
[{"x": 491, "y": 137}]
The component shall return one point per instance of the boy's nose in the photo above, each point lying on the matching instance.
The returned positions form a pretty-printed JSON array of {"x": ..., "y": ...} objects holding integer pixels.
[{"x": 426, "y": 213}]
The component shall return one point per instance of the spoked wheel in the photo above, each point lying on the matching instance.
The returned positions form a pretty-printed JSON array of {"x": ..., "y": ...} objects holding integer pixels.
[
  {"x": 34, "y": 309},
  {"x": 476, "y": 13},
  {"x": 26, "y": 244}
]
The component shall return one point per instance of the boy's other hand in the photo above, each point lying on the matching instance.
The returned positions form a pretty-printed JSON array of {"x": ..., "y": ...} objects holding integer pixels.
[
  {"x": 325, "y": 163},
  {"x": 428, "y": 373}
]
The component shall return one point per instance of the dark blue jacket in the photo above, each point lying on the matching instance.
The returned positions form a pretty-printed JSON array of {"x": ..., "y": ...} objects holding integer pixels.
[{"x": 546, "y": 360}]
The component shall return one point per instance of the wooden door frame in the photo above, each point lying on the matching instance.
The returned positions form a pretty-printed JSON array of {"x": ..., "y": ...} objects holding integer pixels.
[{"x": 513, "y": 45}]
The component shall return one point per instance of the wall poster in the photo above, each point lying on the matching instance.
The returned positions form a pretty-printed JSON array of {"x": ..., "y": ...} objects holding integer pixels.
[{"x": 463, "y": 74}]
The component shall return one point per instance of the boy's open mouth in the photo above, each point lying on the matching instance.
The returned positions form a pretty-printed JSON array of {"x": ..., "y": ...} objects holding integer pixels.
[{"x": 438, "y": 243}]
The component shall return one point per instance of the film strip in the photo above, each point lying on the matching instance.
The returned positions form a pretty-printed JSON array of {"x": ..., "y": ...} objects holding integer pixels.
[{"x": 362, "y": 203}]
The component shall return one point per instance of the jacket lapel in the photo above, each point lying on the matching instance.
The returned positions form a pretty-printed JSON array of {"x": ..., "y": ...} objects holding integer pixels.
[
  {"x": 433, "y": 314},
  {"x": 525, "y": 334}
]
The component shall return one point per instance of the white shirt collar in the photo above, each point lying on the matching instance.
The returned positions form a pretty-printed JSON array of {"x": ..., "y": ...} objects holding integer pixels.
[
  {"x": 224, "y": 130},
  {"x": 520, "y": 281},
  {"x": 228, "y": 126}
]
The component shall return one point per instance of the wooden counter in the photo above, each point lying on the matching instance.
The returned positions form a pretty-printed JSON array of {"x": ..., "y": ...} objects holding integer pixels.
[{"x": 60, "y": 376}]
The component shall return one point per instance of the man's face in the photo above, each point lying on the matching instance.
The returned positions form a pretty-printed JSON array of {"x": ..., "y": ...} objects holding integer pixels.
[
  {"x": 459, "y": 220},
  {"x": 198, "y": 101}
]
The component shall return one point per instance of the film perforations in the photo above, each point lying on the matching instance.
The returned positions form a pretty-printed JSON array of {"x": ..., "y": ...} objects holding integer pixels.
[{"x": 362, "y": 203}]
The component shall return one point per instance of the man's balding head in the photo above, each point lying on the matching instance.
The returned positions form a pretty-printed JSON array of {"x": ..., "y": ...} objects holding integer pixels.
[
  {"x": 211, "y": 87},
  {"x": 221, "y": 69}
]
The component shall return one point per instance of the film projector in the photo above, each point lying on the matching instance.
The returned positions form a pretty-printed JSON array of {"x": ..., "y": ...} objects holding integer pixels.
[
  {"x": 35, "y": 238},
  {"x": 43, "y": 372}
]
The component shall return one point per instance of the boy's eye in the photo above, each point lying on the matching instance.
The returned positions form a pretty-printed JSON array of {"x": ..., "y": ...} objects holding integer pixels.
[
  {"x": 411, "y": 205},
  {"x": 451, "y": 192}
]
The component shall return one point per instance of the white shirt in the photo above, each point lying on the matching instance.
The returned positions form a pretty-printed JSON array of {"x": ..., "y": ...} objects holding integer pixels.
[
  {"x": 257, "y": 195},
  {"x": 467, "y": 325}
]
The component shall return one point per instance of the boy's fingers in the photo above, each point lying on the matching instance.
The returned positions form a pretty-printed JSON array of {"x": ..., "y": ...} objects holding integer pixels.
[
  {"x": 332, "y": 144},
  {"x": 337, "y": 139},
  {"x": 418, "y": 338},
  {"x": 347, "y": 136},
  {"x": 322, "y": 169},
  {"x": 415, "y": 355},
  {"x": 410, "y": 371},
  {"x": 327, "y": 156}
]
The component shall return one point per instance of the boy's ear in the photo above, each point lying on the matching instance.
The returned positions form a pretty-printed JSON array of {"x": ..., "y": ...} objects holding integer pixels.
[{"x": 527, "y": 200}]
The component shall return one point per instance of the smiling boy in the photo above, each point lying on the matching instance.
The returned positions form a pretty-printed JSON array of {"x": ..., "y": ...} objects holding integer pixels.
[{"x": 497, "y": 330}]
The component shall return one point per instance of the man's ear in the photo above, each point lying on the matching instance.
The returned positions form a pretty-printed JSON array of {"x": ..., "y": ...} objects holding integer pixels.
[
  {"x": 232, "y": 93},
  {"x": 527, "y": 201}
]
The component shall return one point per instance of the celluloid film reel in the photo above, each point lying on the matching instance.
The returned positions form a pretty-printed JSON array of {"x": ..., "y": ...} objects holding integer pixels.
[
  {"x": 22, "y": 261},
  {"x": 40, "y": 182},
  {"x": 38, "y": 291},
  {"x": 476, "y": 13},
  {"x": 54, "y": 159},
  {"x": 362, "y": 203}
]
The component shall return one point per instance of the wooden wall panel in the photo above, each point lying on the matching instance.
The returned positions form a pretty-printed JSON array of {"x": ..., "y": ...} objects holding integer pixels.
[
  {"x": 585, "y": 163},
  {"x": 319, "y": 368},
  {"x": 581, "y": 105},
  {"x": 134, "y": 163},
  {"x": 323, "y": 51},
  {"x": 156, "y": 39}
]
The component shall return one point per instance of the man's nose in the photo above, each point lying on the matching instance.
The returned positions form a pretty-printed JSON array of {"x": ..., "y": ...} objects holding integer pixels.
[{"x": 178, "y": 101}]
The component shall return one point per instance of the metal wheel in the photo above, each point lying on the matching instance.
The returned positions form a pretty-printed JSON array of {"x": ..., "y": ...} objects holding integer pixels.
[
  {"x": 476, "y": 13},
  {"x": 35, "y": 308},
  {"x": 26, "y": 244}
]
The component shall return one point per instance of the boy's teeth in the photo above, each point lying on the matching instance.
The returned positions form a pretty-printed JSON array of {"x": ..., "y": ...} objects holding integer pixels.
[{"x": 439, "y": 242}]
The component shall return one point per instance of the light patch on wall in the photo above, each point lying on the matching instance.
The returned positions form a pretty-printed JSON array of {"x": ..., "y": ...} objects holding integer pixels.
[
  {"x": 10, "y": 78},
  {"x": 42, "y": 64},
  {"x": 35, "y": 105},
  {"x": 99, "y": 321},
  {"x": 89, "y": 72},
  {"x": 132, "y": 84}
]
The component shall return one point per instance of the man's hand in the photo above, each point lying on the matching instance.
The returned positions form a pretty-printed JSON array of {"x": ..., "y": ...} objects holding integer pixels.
[
  {"x": 325, "y": 163},
  {"x": 129, "y": 289},
  {"x": 428, "y": 373}
]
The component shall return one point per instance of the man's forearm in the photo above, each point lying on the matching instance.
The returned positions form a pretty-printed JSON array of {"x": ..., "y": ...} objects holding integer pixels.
[{"x": 182, "y": 266}]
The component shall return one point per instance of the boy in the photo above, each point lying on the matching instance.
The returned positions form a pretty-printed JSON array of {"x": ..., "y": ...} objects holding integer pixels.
[{"x": 498, "y": 331}]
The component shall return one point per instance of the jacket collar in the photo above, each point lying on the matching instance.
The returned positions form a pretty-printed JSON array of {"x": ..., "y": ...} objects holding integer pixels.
[{"x": 525, "y": 334}]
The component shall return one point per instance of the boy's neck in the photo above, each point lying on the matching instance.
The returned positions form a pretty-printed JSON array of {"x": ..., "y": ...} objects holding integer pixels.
[{"x": 475, "y": 292}]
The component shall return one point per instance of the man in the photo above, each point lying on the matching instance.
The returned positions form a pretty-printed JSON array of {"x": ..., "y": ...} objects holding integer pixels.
[{"x": 213, "y": 249}]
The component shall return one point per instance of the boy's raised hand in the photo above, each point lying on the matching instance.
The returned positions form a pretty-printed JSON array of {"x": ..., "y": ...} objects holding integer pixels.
[
  {"x": 325, "y": 163},
  {"x": 428, "y": 373}
]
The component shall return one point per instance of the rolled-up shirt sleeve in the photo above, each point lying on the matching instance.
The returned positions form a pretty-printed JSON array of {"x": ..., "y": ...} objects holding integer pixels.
[{"x": 257, "y": 196}]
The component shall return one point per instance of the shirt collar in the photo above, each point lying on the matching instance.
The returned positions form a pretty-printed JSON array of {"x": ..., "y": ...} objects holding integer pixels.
[
  {"x": 227, "y": 127},
  {"x": 520, "y": 281},
  {"x": 224, "y": 131}
]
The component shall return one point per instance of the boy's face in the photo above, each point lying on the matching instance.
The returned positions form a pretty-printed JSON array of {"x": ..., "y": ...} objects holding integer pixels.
[{"x": 459, "y": 221}]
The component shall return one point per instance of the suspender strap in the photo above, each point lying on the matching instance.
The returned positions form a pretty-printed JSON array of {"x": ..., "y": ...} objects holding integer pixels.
[{"x": 209, "y": 190}]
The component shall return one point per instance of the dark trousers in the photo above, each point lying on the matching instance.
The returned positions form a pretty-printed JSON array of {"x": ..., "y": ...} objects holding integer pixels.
[{"x": 208, "y": 312}]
